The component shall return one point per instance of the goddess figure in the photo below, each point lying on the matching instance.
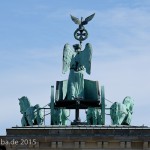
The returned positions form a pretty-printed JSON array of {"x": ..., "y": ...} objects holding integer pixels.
[{"x": 78, "y": 61}]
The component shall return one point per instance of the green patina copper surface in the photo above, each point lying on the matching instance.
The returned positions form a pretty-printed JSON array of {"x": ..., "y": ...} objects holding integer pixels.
[
  {"x": 121, "y": 113},
  {"x": 77, "y": 61},
  {"x": 81, "y": 33},
  {"x": 91, "y": 90},
  {"x": 76, "y": 92},
  {"x": 59, "y": 116},
  {"x": 93, "y": 116},
  {"x": 32, "y": 115}
]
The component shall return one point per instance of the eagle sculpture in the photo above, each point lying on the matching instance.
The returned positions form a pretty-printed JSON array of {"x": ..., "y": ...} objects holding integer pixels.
[{"x": 82, "y": 22}]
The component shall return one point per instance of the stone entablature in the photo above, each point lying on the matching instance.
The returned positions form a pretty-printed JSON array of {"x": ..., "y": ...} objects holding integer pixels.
[{"x": 78, "y": 137}]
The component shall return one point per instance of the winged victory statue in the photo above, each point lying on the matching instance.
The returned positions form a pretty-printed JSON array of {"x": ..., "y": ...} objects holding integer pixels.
[{"x": 77, "y": 60}]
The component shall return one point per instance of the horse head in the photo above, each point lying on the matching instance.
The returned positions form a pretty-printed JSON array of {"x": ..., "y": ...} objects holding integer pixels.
[
  {"x": 129, "y": 103},
  {"x": 24, "y": 104}
]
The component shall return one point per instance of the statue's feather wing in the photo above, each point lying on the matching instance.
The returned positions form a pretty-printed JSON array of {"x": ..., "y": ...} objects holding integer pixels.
[
  {"x": 68, "y": 53},
  {"x": 89, "y": 18},
  {"x": 87, "y": 57},
  {"x": 75, "y": 20}
]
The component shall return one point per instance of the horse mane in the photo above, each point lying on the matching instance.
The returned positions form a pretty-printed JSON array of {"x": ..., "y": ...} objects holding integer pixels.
[
  {"x": 25, "y": 101},
  {"x": 127, "y": 100}
]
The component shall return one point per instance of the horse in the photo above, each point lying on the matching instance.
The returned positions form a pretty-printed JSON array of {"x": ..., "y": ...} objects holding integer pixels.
[
  {"x": 32, "y": 115},
  {"x": 121, "y": 113},
  {"x": 60, "y": 116},
  {"x": 93, "y": 116}
]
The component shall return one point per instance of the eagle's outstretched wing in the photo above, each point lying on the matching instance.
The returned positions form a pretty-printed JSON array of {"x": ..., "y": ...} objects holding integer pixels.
[
  {"x": 75, "y": 20},
  {"x": 87, "y": 19},
  {"x": 68, "y": 53},
  {"x": 86, "y": 58}
]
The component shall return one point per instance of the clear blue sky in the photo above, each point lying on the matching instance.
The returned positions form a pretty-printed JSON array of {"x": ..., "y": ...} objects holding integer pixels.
[{"x": 32, "y": 36}]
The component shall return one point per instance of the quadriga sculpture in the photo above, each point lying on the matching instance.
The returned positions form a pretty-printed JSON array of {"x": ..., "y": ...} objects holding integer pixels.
[
  {"x": 32, "y": 115},
  {"x": 121, "y": 113},
  {"x": 93, "y": 116}
]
